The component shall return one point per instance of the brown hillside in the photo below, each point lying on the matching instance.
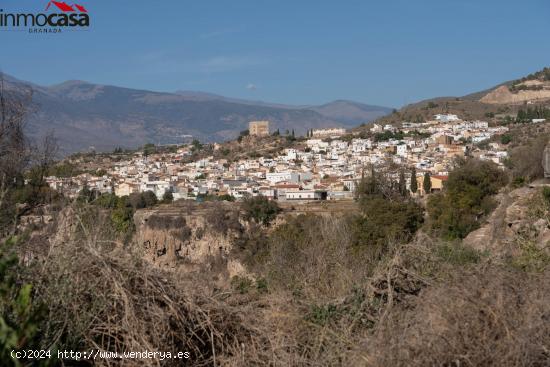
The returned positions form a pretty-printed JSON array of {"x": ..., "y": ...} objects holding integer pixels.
[{"x": 503, "y": 95}]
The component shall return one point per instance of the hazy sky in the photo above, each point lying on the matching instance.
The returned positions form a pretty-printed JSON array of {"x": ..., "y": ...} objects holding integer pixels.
[{"x": 389, "y": 52}]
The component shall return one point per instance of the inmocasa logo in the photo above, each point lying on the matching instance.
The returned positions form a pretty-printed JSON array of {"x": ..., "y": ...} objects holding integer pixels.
[{"x": 61, "y": 16}]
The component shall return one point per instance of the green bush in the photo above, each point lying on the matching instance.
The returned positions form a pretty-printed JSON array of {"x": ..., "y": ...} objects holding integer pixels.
[
  {"x": 123, "y": 219},
  {"x": 506, "y": 139},
  {"x": 384, "y": 220},
  {"x": 20, "y": 319},
  {"x": 261, "y": 286},
  {"x": 168, "y": 197},
  {"x": 242, "y": 285},
  {"x": 142, "y": 200},
  {"x": 260, "y": 209},
  {"x": 121, "y": 210},
  {"x": 387, "y": 212},
  {"x": 457, "y": 254},
  {"x": 531, "y": 258},
  {"x": 465, "y": 199},
  {"x": 546, "y": 194},
  {"x": 109, "y": 201},
  {"x": 323, "y": 314}
]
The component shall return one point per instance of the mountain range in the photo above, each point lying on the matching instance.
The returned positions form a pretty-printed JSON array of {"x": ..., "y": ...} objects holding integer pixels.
[{"x": 84, "y": 115}]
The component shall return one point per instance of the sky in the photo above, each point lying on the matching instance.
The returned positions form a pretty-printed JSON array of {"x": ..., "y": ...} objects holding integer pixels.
[{"x": 390, "y": 52}]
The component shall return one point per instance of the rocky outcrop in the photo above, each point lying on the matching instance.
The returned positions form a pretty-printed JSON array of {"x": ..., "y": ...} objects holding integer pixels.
[
  {"x": 188, "y": 234},
  {"x": 518, "y": 217}
]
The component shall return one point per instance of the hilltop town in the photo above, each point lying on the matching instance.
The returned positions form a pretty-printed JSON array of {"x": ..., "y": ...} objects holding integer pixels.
[{"x": 324, "y": 165}]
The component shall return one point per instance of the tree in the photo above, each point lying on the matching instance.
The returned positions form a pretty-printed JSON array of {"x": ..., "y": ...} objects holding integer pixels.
[
  {"x": 242, "y": 134},
  {"x": 260, "y": 209},
  {"x": 142, "y": 200},
  {"x": 149, "y": 149},
  {"x": 521, "y": 116},
  {"x": 466, "y": 198},
  {"x": 122, "y": 219},
  {"x": 136, "y": 200},
  {"x": 15, "y": 152},
  {"x": 386, "y": 214},
  {"x": 402, "y": 185},
  {"x": 506, "y": 139},
  {"x": 42, "y": 158},
  {"x": 149, "y": 198},
  {"x": 414, "y": 183},
  {"x": 85, "y": 195},
  {"x": 23, "y": 166},
  {"x": 196, "y": 145},
  {"x": 168, "y": 197},
  {"x": 427, "y": 184}
]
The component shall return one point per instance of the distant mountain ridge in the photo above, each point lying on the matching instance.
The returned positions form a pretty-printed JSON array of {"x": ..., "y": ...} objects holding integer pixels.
[{"x": 84, "y": 115}]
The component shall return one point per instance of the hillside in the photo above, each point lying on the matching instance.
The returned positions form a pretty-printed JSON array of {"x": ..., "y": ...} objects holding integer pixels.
[
  {"x": 348, "y": 112},
  {"x": 491, "y": 104},
  {"x": 83, "y": 115}
]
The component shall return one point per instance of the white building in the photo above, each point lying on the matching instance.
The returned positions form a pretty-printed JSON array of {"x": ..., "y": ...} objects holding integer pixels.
[
  {"x": 401, "y": 150},
  {"x": 376, "y": 128},
  {"x": 275, "y": 177},
  {"x": 291, "y": 154},
  {"x": 331, "y": 132},
  {"x": 306, "y": 195},
  {"x": 446, "y": 117},
  {"x": 360, "y": 145}
]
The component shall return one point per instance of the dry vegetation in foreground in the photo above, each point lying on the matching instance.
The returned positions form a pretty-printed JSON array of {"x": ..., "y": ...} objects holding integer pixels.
[
  {"x": 423, "y": 303},
  {"x": 321, "y": 291}
]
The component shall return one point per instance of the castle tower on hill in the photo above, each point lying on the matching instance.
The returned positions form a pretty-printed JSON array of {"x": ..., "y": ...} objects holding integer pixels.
[{"x": 258, "y": 128}]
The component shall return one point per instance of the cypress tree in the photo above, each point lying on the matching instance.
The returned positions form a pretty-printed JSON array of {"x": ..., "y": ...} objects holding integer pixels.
[
  {"x": 402, "y": 185},
  {"x": 414, "y": 184},
  {"x": 427, "y": 183}
]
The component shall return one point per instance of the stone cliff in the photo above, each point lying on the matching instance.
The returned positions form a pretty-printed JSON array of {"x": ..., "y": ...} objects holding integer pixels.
[
  {"x": 520, "y": 222},
  {"x": 190, "y": 235}
]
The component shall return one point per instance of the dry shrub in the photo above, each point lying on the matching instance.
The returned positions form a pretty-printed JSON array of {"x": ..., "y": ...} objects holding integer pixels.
[
  {"x": 103, "y": 296},
  {"x": 158, "y": 222},
  {"x": 315, "y": 256},
  {"x": 329, "y": 300},
  {"x": 490, "y": 316},
  {"x": 324, "y": 306},
  {"x": 222, "y": 220}
]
